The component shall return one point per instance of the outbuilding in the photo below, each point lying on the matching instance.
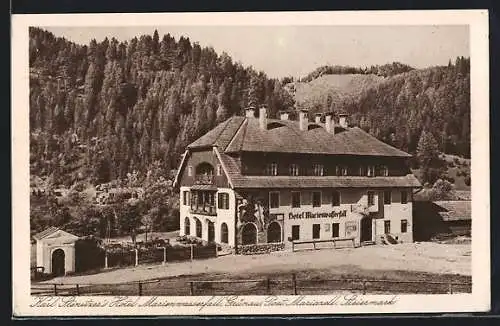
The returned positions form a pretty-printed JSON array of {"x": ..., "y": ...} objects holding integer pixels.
[{"x": 55, "y": 251}]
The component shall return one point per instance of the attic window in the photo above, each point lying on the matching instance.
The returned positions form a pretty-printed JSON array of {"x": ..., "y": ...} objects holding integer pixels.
[
  {"x": 273, "y": 125},
  {"x": 313, "y": 126}
]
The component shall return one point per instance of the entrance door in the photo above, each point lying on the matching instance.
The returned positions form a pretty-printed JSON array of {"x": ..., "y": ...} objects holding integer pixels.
[
  {"x": 274, "y": 232},
  {"x": 366, "y": 229},
  {"x": 58, "y": 262},
  {"x": 211, "y": 232}
]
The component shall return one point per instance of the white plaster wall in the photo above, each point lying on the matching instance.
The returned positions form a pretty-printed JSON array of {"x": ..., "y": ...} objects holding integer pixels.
[
  {"x": 223, "y": 216},
  {"x": 227, "y": 216},
  {"x": 184, "y": 212},
  {"x": 69, "y": 256},
  {"x": 396, "y": 212},
  {"x": 39, "y": 253},
  {"x": 347, "y": 198}
]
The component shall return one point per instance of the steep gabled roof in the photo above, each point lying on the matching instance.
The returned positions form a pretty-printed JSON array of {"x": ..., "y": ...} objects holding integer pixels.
[
  {"x": 454, "y": 210},
  {"x": 244, "y": 134},
  {"x": 221, "y": 135},
  {"x": 54, "y": 232},
  {"x": 42, "y": 234}
]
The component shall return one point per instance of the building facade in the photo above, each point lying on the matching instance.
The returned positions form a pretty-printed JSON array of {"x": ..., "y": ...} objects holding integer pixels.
[{"x": 254, "y": 180}]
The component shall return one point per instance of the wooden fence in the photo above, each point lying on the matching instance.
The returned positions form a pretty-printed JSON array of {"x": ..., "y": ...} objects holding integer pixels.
[{"x": 263, "y": 286}]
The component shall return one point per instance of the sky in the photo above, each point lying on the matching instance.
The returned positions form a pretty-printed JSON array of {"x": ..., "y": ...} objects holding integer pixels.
[{"x": 295, "y": 51}]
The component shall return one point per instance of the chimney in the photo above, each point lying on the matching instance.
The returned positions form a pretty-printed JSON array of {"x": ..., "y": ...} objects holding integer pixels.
[
  {"x": 303, "y": 119},
  {"x": 343, "y": 120},
  {"x": 283, "y": 115},
  {"x": 250, "y": 112},
  {"x": 329, "y": 123},
  {"x": 317, "y": 117},
  {"x": 263, "y": 118}
]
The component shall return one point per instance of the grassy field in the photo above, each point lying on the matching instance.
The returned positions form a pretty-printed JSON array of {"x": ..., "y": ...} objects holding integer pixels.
[
  {"x": 345, "y": 278},
  {"x": 429, "y": 262}
]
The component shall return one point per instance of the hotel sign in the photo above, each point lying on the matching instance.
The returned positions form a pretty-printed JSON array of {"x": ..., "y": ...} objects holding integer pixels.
[{"x": 307, "y": 215}]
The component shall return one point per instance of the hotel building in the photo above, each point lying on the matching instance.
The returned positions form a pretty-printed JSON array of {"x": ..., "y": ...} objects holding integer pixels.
[{"x": 254, "y": 180}]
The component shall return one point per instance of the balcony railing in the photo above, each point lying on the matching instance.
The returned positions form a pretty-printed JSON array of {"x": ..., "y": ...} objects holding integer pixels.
[
  {"x": 203, "y": 179},
  {"x": 204, "y": 210}
]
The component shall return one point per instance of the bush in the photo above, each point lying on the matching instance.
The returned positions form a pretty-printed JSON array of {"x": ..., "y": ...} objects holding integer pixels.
[
  {"x": 449, "y": 179},
  {"x": 261, "y": 248},
  {"x": 467, "y": 181},
  {"x": 89, "y": 254}
]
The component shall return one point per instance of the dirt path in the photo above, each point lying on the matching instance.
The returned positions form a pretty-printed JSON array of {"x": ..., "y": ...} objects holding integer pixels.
[{"x": 419, "y": 257}]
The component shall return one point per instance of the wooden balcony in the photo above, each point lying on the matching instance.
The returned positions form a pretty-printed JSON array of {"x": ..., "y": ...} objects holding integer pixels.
[
  {"x": 203, "y": 179},
  {"x": 204, "y": 210}
]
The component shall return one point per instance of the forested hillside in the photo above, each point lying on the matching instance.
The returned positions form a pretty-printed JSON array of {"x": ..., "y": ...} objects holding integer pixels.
[
  {"x": 122, "y": 113},
  {"x": 398, "y": 108},
  {"x": 100, "y": 110}
]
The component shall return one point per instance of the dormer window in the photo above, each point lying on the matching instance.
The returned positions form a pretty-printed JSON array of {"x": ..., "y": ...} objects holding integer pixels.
[
  {"x": 190, "y": 171},
  {"x": 294, "y": 169},
  {"x": 219, "y": 169},
  {"x": 318, "y": 169},
  {"x": 384, "y": 171},
  {"x": 272, "y": 169},
  {"x": 371, "y": 171}
]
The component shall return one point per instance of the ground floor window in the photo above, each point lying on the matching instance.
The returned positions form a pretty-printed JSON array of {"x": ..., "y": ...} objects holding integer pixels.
[
  {"x": 295, "y": 199},
  {"x": 335, "y": 230},
  {"x": 404, "y": 226},
  {"x": 249, "y": 234},
  {"x": 335, "y": 198},
  {"x": 211, "y": 231},
  {"x": 274, "y": 232},
  {"x": 316, "y": 228},
  {"x": 387, "y": 227},
  {"x": 387, "y": 197},
  {"x": 274, "y": 199},
  {"x": 223, "y": 200},
  {"x": 198, "y": 228},
  {"x": 371, "y": 198},
  {"x": 187, "y": 226},
  {"x": 185, "y": 198},
  {"x": 316, "y": 198},
  {"x": 224, "y": 234},
  {"x": 295, "y": 232},
  {"x": 404, "y": 197}
]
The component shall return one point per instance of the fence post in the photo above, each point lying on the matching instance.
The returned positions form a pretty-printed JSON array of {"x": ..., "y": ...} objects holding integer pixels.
[
  {"x": 268, "y": 286},
  {"x": 164, "y": 255},
  {"x": 77, "y": 289},
  {"x": 191, "y": 287},
  {"x": 191, "y": 251},
  {"x": 105, "y": 259},
  {"x": 136, "y": 256},
  {"x": 55, "y": 289},
  {"x": 140, "y": 288},
  {"x": 450, "y": 288},
  {"x": 294, "y": 283},
  {"x": 364, "y": 286}
]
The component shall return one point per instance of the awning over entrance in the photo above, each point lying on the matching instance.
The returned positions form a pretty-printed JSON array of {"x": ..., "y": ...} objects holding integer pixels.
[
  {"x": 204, "y": 187},
  {"x": 210, "y": 218}
]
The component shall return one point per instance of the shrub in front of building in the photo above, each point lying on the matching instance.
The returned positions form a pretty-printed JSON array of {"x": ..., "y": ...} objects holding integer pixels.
[
  {"x": 89, "y": 254},
  {"x": 262, "y": 248}
]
